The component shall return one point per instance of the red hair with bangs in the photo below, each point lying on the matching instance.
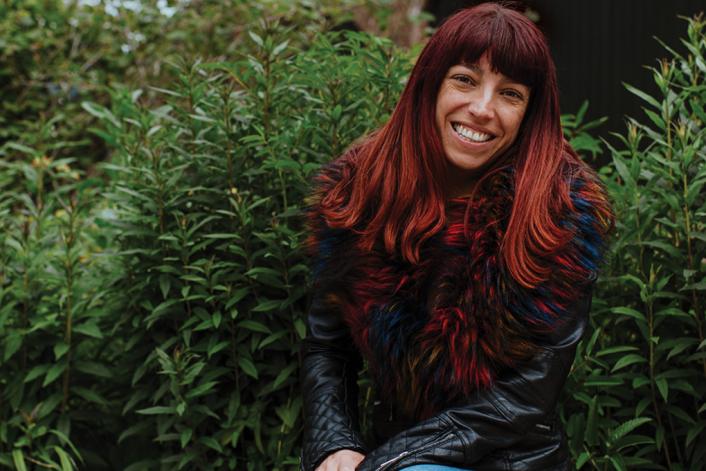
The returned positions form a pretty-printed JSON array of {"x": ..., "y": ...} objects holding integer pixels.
[{"x": 396, "y": 192}]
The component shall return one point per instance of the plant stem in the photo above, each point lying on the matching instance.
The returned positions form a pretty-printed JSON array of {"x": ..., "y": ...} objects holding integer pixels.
[
  {"x": 698, "y": 313},
  {"x": 653, "y": 392},
  {"x": 69, "y": 241}
]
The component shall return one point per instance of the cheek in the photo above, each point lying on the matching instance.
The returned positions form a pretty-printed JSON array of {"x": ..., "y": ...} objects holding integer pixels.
[
  {"x": 438, "y": 118},
  {"x": 514, "y": 121}
]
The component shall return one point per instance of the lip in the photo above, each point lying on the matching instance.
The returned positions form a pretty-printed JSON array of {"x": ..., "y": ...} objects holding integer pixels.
[
  {"x": 475, "y": 128},
  {"x": 468, "y": 144}
]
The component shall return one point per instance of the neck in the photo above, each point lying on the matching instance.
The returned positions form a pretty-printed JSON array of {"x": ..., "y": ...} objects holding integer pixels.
[{"x": 461, "y": 184}]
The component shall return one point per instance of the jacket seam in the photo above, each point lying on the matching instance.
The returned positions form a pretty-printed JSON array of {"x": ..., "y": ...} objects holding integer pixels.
[{"x": 442, "y": 437}]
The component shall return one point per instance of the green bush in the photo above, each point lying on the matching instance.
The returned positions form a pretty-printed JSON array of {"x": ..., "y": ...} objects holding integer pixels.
[
  {"x": 189, "y": 352},
  {"x": 55, "y": 54},
  {"x": 207, "y": 192},
  {"x": 151, "y": 309},
  {"x": 53, "y": 313},
  {"x": 639, "y": 383}
]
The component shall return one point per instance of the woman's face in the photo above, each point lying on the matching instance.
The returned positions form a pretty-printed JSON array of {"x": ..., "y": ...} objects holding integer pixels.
[{"x": 478, "y": 116}]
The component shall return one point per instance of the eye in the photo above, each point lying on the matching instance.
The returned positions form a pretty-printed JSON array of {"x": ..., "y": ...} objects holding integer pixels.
[
  {"x": 464, "y": 79},
  {"x": 514, "y": 94}
]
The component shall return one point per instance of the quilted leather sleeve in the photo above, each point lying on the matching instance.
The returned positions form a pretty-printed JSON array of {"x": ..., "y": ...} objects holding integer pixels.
[
  {"x": 329, "y": 387},
  {"x": 494, "y": 418}
]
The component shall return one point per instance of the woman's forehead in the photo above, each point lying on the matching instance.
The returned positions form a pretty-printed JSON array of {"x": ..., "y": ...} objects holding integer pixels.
[{"x": 477, "y": 68}]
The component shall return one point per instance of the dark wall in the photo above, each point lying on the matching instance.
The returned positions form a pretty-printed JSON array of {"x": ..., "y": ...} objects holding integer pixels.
[{"x": 598, "y": 44}]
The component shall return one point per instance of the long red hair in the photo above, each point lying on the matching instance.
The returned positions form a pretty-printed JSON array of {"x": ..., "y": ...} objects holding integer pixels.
[{"x": 396, "y": 194}]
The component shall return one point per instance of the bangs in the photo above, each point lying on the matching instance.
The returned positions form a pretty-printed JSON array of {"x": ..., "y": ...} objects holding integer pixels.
[{"x": 514, "y": 46}]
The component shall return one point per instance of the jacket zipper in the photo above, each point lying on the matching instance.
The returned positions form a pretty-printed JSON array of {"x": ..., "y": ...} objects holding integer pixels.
[{"x": 444, "y": 438}]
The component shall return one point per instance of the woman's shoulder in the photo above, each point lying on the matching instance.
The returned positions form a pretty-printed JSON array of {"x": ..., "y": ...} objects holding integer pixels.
[
  {"x": 588, "y": 218},
  {"x": 328, "y": 192},
  {"x": 587, "y": 194},
  {"x": 340, "y": 168}
]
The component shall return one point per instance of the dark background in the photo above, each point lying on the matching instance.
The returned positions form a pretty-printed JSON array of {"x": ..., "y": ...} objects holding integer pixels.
[{"x": 599, "y": 44}]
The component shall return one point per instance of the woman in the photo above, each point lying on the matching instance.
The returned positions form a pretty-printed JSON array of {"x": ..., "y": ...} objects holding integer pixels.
[{"x": 455, "y": 251}]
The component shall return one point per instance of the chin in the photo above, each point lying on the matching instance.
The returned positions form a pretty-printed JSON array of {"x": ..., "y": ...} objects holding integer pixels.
[{"x": 471, "y": 166}]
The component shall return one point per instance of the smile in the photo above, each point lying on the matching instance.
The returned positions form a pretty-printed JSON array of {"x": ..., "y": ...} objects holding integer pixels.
[{"x": 470, "y": 134}]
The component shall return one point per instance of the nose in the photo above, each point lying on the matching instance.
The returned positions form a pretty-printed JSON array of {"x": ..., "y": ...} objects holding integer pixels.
[{"x": 481, "y": 105}]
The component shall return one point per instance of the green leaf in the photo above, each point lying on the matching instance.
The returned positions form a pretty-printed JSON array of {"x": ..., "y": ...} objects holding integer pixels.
[
  {"x": 157, "y": 410},
  {"x": 211, "y": 443},
  {"x": 164, "y": 284},
  {"x": 236, "y": 296},
  {"x": 679, "y": 345},
  {"x": 201, "y": 389},
  {"x": 135, "y": 429},
  {"x": 655, "y": 118},
  {"x": 280, "y": 47},
  {"x": 300, "y": 327},
  {"x": 663, "y": 387},
  {"x": 642, "y": 405},
  {"x": 19, "y": 460},
  {"x": 255, "y": 326},
  {"x": 13, "y": 342},
  {"x": 248, "y": 367},
  {"x": 216, "y": 319},
  {"x": 628, "y": 360},
  {"x": 627, "y": 427},
  {"x": 591, "y": 430},
  {"x": 92, "y": 368},
  {"x": 603, "y": 381},
  {"x": 630, "y": 312},
  {"x": 256, "y": 38},
  {"x": 23, "y": 148},
  {"x": 53, "y": 373},
  {"x": 623, "y": 172},
  {"x": 289, "y": 413},
  {"x": 667, "y": 248},
  {"x": 700, "y": 286},
  {"x": 617, "y": 462},
  {"x": 272, "y": 338},
  {"x": 216, "y": 347},
  {"x": 64, "y": 459},
  {"x": 90, "y": 329},
  {"x": 616, "y": 349},
  {"x": 640, "y": 381},
  {"x": 185, "y": 437},
  {"x": 268, "y": 305},
  {"x": 49, "y": 405},
  {"x": 65, "y": 441},
  {"x": 694, "y": 432},
  {"x": 633, "y": 440},
  {"x": 659, "y": 437},
  {"x": 582, "y": 459},
  {"x": 646, "y": 97},
  {"x": 90, "y": 395},
  {"x": 224, "y": 235},
  {"x": 60, "y": 350},
  {"x": 283, "y": 375}
]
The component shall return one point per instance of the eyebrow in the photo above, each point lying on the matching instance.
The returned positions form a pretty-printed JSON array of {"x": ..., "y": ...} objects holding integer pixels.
[
  {"x": 478, "y": 70},
  {"x": 473, "y": 67}
]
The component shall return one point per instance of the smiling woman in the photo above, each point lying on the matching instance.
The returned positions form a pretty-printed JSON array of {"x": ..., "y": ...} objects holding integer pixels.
[
  {"x": 454, "y": 250},
  {"x": 478, "y": 114}
]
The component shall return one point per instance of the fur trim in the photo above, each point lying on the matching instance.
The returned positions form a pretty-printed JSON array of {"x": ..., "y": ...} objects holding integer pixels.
[{"x": 434, "y": 332}]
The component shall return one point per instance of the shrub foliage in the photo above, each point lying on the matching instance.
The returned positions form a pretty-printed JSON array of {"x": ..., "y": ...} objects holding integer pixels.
[
  {"x": 151, "y": 309},
  {"x": 185, "y": 351},
  {"x": 639, "y": 383}
]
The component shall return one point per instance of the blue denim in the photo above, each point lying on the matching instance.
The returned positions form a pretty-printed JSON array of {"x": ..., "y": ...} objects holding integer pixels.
[{"x": 432, "y": 467}]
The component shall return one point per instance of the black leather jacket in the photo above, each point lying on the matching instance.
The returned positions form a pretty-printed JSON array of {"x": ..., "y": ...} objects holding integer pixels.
[{"x": 511, "y": 426}]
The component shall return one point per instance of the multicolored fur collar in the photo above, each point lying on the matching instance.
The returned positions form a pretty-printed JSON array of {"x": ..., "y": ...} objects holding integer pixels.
[{"x": 434, "y": 332}]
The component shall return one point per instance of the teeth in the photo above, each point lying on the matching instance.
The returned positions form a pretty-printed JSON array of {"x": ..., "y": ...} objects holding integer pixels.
[{"x": 470, "y": 134}]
